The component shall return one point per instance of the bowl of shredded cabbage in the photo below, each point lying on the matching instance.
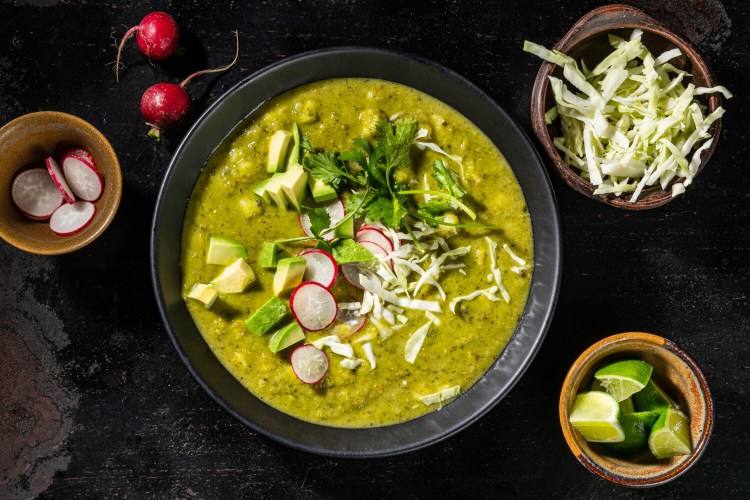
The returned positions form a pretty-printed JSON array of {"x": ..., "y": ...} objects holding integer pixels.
[{"x": 628, "y": 111}]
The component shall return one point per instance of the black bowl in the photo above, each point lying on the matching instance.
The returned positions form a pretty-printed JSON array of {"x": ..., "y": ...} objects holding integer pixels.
[{"x": 231, "y": 110}]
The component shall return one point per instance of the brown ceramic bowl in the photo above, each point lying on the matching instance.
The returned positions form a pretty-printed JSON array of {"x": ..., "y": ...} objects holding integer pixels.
[
  {"x": 26, "y": 141},
  {"x": 587, "y": 39},
  {"x": 675, "y": 372}
]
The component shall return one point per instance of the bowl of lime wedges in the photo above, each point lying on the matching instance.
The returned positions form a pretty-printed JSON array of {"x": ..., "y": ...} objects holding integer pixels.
[{"x": 636, "y": 410}]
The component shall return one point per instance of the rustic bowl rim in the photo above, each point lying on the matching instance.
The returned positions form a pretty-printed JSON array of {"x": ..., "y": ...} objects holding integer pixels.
[
  {"x": 583, "y": 363},
  {"x": 653, "y": 197}
]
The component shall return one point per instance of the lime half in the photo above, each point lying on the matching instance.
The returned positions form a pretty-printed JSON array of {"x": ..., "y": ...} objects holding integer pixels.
[
  {"x": 596, "y": 416},
  {"x": 637, "y": 426},
  {"x": 624, "y": 378},
  {"x": 652, "y": 398},
  {"x": 670, "y": 435}
]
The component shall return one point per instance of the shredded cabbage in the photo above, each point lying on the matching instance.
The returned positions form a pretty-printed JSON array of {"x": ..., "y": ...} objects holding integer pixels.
[{"x": 440, "y": 396}]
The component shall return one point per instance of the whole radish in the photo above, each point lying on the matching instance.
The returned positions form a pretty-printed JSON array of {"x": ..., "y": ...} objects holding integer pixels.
[
  {"x": 157, "y": 35},
  {"x": 163, "y": 105}
]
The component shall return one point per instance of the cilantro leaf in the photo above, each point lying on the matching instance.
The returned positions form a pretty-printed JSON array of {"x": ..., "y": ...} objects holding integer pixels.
[
  {"x": 434, "y": 207},
  {"x": 319, "y": 220},
  {"x": 305, "y": 145},
  {"x": 328, "y": 168},
  {"x": 446, "y": 179},
  {"x": 395, "y": 140}
]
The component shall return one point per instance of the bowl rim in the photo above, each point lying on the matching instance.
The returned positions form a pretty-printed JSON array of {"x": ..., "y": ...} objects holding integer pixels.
[
  {"x": 580, "y": 365},
  {"x": 530, "y": 332},
  {"x": 636, "y": 18},
  {"x": 74, "y": 242}
]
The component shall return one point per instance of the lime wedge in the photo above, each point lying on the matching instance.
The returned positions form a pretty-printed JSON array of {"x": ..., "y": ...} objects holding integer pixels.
[
  {"x": 596, "y": 416},
  {"x": 670, "y": 435},
  {"x": 624, "y": 378},
  {"x": 626, "y": 405},
  {"x": 637, "y": 426},
  {"x": 652, "y": 398}
]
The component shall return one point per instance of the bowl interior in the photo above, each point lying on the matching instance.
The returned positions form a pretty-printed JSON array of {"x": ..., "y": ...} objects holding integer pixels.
[
  {"x": 27, "y": 141},
  {"x": 675, "y": 372},
  {"x": 212, "y": 129}
]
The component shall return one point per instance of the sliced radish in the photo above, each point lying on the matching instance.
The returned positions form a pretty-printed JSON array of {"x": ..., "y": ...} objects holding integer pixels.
[
  {"x": 352, "y": 319},
  {"x": 376, "y": 236},
  {"x": 321, "y": 267},
  {"x": 313, "y": 306},
  {"x": 80, "y": 153},
  {"x": 309, "y": 363},
  {"x": 83, "y": 178},
  {"x": 59, "y": 179},
  {"x": 35, "y": 194},
  {"x": 334, "y": 208},
  {"x": 376, "y": 250},
  {"x": 351, "y": 273},
  {"x": 70, "y": 218}
]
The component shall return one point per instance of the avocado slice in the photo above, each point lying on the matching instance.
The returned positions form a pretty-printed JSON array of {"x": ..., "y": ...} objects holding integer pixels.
[
  {"x": 267, "y": 316},
  {"x": 289, "y": 273},
  {"x": 294, "y": 185},
  {"x": 287, "y": 336},
  {"x": 345, "y": 230},
  {"x": 206, "y": 294},
  {"x": 234, "y": 278},
  {"x": 223, "y": 250},
  {"x": 270, "y": 254},
  {"x": 277, "y": 147},
  {"x": 260, "y": 189},
  {"x": 321, "y": 191},
  {"x": 276, "y": 191},
  {"x": 293, "y": 154}
]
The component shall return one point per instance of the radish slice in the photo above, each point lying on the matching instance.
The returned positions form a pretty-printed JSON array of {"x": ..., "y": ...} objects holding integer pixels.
[
  {"x": 59, "y": 179},
  {"x": 71, "y": 218},
  {"x": 352, "y": 319},
  {"x": 376, "y": 250},
  {"x": 351, "y": 273},
  {"x": 35, "y": 194},
  {"x": 309, "y": 363},
  {"x": 83, "y": 178},
  {"x": 334, "y": 208},
  {"x": 80, "y": 153},
  {"x": 321, "y": 267},
  {"x": 376, "y": 236},
  {"x": 313, "y": 306}
]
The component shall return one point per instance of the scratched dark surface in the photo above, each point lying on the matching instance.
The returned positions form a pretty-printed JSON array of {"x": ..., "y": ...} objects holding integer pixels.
[{"x": 94, "y": 402}]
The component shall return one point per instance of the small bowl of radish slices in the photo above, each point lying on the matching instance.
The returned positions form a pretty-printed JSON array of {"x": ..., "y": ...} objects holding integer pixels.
[{"x": 62, "y": 183}]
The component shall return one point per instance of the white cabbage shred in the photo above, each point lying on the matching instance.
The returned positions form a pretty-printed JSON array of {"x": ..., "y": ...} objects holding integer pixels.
[{"x": 440, "y": 396}]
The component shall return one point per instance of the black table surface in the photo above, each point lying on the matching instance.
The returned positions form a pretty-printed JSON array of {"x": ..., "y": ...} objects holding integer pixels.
[{"x": 94, "y": 401}]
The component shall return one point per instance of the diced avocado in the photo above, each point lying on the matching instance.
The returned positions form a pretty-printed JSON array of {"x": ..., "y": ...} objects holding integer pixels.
[
  {"x": 346, "y": 251},
  {"x": 223, "y": 250},
  {"x": 261, "y": 190},
  {"x": 287, "y": 336},
  {"x": 294, "y": 184},
  {"x": 275, "y": 191},
  {"x": 321, "y": 191},
  {"x": 234, "y": 278},
  {"x": 203, "y": 293},
  {"x": 277, "y": 147},
  {"x": 267, "y": 316},
  {"x": 270, "y": 255},
  {"x": 345, "y": 230},
  {"x": 293, "y": 154},
  {"x": 289, "y": 273}
]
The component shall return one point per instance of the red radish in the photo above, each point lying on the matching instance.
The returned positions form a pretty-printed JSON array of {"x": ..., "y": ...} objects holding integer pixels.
[
  {"x": 165, "y": 104},
  {"x": 59, "y": 179},
  {"x": 351, "y": 274},
  {"x": 34, "y": 193},
  {"x": 309, "y": 363},
  {"x": 313, "y": 306},
  {"x": 83, "y": 178},
  {"x": 71, "y": 218},
  {"x": 321, "y": 267},
  {"x": 157, "y": 35},
  {"x": 335, "y": 210},
  {"x": 352, "y": 319},
  {"x": 375, "y": 236},
  {"x": 80, "y": 153}
]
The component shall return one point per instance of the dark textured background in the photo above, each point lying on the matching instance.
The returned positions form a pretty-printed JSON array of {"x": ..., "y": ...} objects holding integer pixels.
[{"x": 94, "y": 401}]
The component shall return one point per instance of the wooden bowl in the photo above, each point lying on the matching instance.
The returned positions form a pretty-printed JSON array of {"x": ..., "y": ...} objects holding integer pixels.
[
  {"x": 587, "y": 39},
  {"x": 27, "y": 140},
  {"x": 675, "y": 372}
]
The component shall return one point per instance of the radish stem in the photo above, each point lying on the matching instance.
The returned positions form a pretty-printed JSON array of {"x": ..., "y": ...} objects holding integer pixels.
[
  {"x": 217, "y": 70},
  {"x": 129, "y": 33}
]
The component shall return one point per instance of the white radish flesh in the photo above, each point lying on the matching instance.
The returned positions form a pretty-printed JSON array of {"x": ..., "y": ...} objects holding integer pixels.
[
  {"x": 351, "y": 273},
  {"x": 321, "y": 267},
  {"x": 335, "y": 210},
  {"x": 309, "y": 363},
  {"x": 376, "y": 250},
  {"x": 71, "y": 218},
  {"x": 352, "y": 319},
  {"x": 59, "y": 179},
  {"x": 35, "y": 194},
  {"x": 375, "y": 236},
  {"x": 313, "y": 306},
  {"x": 83, "y": 178}
]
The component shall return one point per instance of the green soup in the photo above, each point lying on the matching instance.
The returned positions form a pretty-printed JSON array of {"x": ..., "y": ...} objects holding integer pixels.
[{"x": 457, "y": 352}]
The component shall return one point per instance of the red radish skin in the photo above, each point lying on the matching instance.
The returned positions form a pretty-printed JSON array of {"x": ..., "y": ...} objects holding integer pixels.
[
  {"x": 309, "y": 364},
  {"x": 313, "y": 306},
  {"x": 59, "y": 179},
  {"x": 83, "y": 178},
  {"x": 80, "y": 153},
  {"x": 158, "y": 37},
  {"x": 376, "y": 236},
  {"x": 34, "y": 193},
  {"x": 321, "y": 267},
  {"x": 164, "y": 105},
  {"x": 71, "y": 218}
]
